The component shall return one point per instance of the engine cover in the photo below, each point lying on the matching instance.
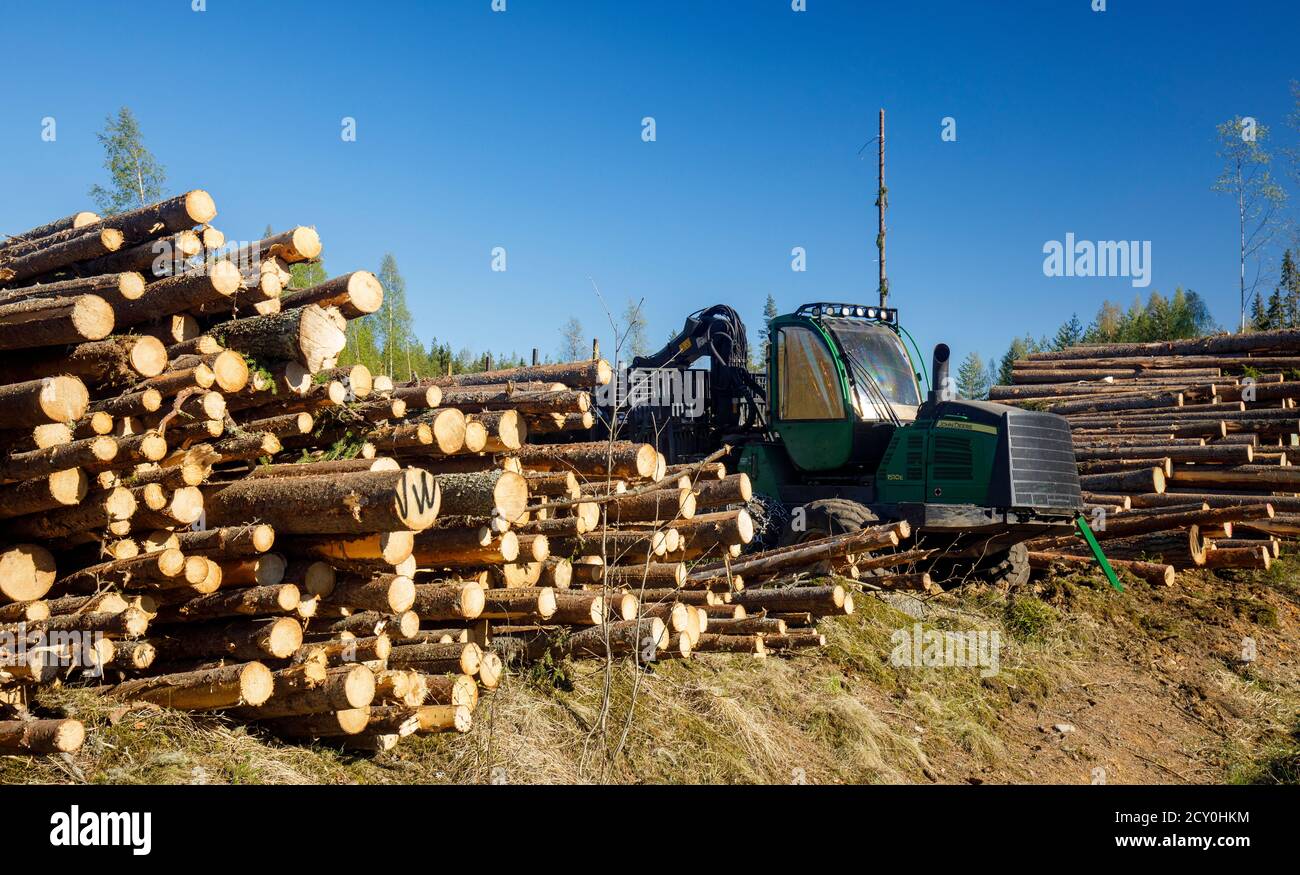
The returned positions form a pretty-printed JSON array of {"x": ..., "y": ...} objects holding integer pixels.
[{"x": 983, "y": 454}]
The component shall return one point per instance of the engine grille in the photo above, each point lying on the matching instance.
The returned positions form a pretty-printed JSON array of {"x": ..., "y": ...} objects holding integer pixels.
[
  {"x": 953, "y": 458},
  {"x": 915, "y": 457},
  {"x": 1044, "y": 473}
]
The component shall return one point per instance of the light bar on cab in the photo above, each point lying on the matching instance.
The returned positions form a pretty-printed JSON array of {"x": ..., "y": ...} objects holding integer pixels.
[{"x": 845, "y": 311}]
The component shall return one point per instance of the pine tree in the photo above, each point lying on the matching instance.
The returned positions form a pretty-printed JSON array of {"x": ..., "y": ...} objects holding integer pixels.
[
  {"x": 973, "y": 378},
  {"x": 1069, "y": 334},
  {"x": 135, "y": 176},
  {"x": 1202, "y": 322},
  {"x": 1258, "y": 318},
  {"x": 1020, "y": 347},
  {"x": 1159, "y": 321},
  {"x": 1289, "y": 284},
  {"x": 441, "y": 360},
  {"x": 769, "y": 313},
  {"x": 1276, "y": 319},
  {"x": 1136, "y": 327},
  {"x": 1182, "y": 322},
  {"x": 572, "y": 341}
]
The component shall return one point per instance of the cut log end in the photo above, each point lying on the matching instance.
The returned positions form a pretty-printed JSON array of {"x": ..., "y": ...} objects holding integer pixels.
[
  {"x": 69, "y": 487},
  {"x": 417, "y": 499},
  {"x": 225, "y": 278},
  {"x": 26, "y": 572},
  {"x": 63, "y": 399},
  {"x": 130, "y": 285},
  {"x": 230, "y": 371},
  {"x": 148, "y": 356},
  {"x": 200, "y": 206},
  {"x": 92, "y": 317},
  {"x": 306, "y": 243},
  {"x": 473, "y": 600},
  {"x": 365, "y": 291},
  {"x": 283, "y": 638},
  {"x": 321, "y": 337},
  {"x": 256, "y": 683},
  {"x": 449, "y": 430}
]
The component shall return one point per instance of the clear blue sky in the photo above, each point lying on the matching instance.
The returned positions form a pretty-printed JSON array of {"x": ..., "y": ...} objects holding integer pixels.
[{"x": 522, "y": 129}]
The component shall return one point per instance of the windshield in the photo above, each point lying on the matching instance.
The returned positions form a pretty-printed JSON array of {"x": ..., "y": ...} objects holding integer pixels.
[{"x": 880, "y": 354}]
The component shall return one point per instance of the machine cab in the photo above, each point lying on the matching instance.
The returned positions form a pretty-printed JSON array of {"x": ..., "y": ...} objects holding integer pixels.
[{"x": 840, "y": 382}]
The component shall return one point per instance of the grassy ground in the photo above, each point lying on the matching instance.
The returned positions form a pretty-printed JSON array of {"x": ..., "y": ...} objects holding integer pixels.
[{"x": 1149, "y": 686}]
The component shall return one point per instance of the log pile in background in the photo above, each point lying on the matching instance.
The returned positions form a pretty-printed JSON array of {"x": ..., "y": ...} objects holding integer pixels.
[
  {"x": 199, "y": 509},
  {"x": 1185, "y": 447}
]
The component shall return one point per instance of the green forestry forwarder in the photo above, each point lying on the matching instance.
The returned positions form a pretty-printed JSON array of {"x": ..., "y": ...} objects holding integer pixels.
[{"x": 837, "y": 432}]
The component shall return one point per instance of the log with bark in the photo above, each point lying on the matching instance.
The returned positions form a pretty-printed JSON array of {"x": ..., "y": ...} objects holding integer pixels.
[
  {"x": 313, "y": 336},
  {"x": 235, "y": 639},
  {"x": 356, "y": 503},
  {"x": 77, "y": 220},
  {"x": 38, "y": 322},
  {"x": 354, "y": 294},
  {"x": 113, "y": 362},
  {"x": 597, "y": 459},
  {"x": 578, "y": 375},
  {"x": 27, "y": 261},
  {"x": 207, "y": 689},
  {"x": 495, "y": 492},
  {"x": 41, "y": 736}
]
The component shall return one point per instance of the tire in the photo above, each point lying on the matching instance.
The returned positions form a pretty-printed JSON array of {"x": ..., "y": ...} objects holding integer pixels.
[
  {"x": 1005, "y": 568},
  {"x": 1011, "y": 571},
  {"x": 825, "y": 517}
]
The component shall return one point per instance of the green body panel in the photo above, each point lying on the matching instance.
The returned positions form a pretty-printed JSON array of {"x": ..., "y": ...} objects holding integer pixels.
[
  {"x": 944, "y": 462},
  {"x": 818, "y": 446},
  {"x": 901, "y": 475},
  {"x": 768, "y": 467},
  {"x": 813, "y": 445},
  {"x": 961, "y": 461}
]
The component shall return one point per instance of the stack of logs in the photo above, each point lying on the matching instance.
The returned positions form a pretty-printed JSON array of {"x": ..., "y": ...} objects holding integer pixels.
[
  {"x": 1184, "y": 448},
  {"x": 200, "y": 509}
]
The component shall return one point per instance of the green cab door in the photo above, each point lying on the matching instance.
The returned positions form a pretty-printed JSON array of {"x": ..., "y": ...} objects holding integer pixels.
[{"x": 811, "y": 408}]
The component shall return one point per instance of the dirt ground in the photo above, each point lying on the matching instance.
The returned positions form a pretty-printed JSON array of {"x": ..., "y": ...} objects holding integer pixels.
[{"x": 1197, "y": 683}]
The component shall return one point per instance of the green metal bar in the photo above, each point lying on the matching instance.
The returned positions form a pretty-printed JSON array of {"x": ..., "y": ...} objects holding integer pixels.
[
  {"x": 920, "y": 359},
  {"x": 1096, "y": 552}
]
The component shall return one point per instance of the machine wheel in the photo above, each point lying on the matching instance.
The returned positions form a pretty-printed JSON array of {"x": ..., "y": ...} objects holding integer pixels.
[
  {"x": 1005, "y": 568},
  {"x": 1011, "y": 571},
  {"x": 824, "y": 517}
]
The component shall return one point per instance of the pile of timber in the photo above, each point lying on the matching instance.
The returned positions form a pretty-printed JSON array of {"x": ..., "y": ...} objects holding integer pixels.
[
  {"x": 200, "y": 509},
  {"x": 1185, "y": 448}
]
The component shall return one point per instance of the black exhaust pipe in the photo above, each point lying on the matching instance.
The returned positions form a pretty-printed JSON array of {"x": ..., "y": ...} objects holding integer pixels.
[{"x": 939, "y": 373}]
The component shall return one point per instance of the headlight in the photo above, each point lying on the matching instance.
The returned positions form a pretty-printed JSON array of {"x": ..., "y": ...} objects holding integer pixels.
[
  {"x": 860, "y": 311},
  {"x": 872, "y": 312},
  {"x": 845, "y": 311}
]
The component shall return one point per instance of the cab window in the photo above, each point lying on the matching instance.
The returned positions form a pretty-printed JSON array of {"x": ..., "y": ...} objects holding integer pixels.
[{"x": 810, "y": 385}]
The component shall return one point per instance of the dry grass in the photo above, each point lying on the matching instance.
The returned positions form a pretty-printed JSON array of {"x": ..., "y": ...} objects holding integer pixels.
[{"x": 845, "y": 715}]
